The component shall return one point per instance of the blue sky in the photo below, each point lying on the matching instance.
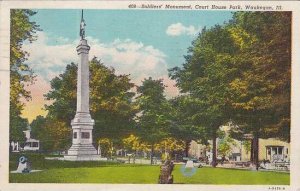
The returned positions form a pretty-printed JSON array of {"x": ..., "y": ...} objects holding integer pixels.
[
  {"x": 141, "y": 43},
  {"x": 148, "y": 27}
]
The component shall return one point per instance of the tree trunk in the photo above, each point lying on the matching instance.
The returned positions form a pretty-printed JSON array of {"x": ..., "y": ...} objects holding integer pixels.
[
  {"x": 214, "y": 150},
  {"x": 256, "y": 151},
  {"x": 151, "y": 154},
  {"x": 134, "y": 156},
  {"x": 252, "y": 151},
  {"x": 187, "y": 148}
]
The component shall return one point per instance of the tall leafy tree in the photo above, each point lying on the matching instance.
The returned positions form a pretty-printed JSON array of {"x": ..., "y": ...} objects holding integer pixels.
[
  {"x": 21, "y": 30},
  {"x": 262, "y": 90},
  {"x": 267, "y": 67},
  {"x": 63, "y": 95},
  {"x": 154, "y": 118},
  {"x": 205, "y": 77},
  {"x": 110, "y": 100},
  {"x": 182, "y": 127},
  {"x": 36, "y": 126},
  {"x": 241, "y": 72}
]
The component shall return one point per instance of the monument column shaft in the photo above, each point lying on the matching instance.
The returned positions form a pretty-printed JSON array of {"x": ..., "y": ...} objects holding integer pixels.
[
  {"x": 83, "y": 78},
  {"x": 82, "y": 124}
]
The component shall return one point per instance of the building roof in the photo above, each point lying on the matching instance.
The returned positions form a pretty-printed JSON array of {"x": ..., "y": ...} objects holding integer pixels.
[{"x": 32, "y": 140}]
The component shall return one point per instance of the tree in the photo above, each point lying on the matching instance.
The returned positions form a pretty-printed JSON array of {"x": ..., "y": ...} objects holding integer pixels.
[
  {"x": 247, "y": 145},
  {"x": 153, "y": 121},
  {"x": 240, "y": 72},
  {"x": 134, "y": 144},
  {"x": 54, "y": 135},
  {"x": 261, "y": 93},
  {"x": 205, "y": 77},
  {"x": 21, "y": 30},
  {"x": 268, "y": 75},
  {"x": 110, "y": 100},
  {"x": 18, "y": 125},
  {"x": 182, "y": 127},
  {"x": 106, "y": 146},
  {"x": 169, "y": 145},
  {"x": 225, "y": 146},
  {"x": 63, "y": 95},
  {"x": 37, "y": 126}
]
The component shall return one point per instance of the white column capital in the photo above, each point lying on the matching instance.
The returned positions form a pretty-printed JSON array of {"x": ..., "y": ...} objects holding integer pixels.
[{"x": 83, "y": 47}]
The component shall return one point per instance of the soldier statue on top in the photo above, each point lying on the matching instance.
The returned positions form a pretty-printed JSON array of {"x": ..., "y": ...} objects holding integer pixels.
[{"x": 82, "y": 26}]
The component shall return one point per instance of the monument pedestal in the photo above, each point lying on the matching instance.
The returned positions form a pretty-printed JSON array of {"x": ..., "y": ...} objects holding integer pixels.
[
  {"x": 82, "y": 148},
  {"x": 84, "y": 158}
]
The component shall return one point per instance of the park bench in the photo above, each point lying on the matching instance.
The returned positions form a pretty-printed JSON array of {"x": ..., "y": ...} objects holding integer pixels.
[{"x": 282, "y": 165}]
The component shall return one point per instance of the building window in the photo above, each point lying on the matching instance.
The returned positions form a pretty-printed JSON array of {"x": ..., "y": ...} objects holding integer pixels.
[
  {"x": 85, "y": 135},
  {"x": 35, "y": 144},
  {"x": 274, "y": 153},
  {"x": 75, "y": 135},
  {"x": 287, "y": 151}
]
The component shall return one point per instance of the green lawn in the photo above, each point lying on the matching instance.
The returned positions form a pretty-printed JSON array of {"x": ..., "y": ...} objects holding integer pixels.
[{"x": 108, "y": 172}]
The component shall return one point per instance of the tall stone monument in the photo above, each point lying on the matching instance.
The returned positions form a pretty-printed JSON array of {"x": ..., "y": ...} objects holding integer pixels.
[{"x": 82, "y": 124}]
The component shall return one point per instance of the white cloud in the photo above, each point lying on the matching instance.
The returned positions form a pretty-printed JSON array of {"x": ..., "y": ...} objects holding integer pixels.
[
  {"x": 126, "y": 56},
  {"x": 178, "y": 29},
  {"x": 49, "y": 60},
  {"x": 129, "y": 57}
]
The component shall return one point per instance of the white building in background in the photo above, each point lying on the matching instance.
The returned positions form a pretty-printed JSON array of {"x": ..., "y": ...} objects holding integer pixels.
[
  {"x": 30, "y": 144},
  {"x": 197, "y": 150}
]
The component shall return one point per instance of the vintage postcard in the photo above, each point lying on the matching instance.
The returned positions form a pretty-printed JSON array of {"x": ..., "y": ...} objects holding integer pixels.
[{"x": 140, "y": 95}]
